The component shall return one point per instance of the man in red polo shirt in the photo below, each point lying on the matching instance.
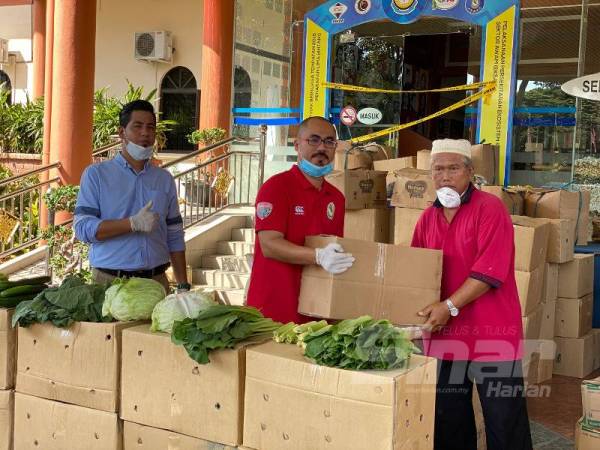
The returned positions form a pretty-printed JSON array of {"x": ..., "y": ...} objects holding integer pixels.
[
  {"x": 289, "y": 207},
  {"x": 475, "y": 330}
]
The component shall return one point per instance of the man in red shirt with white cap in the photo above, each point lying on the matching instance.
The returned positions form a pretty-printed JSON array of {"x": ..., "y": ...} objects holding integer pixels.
[
  {"x": 289, "y": 207},
  {"x": 475, "y": 331}
]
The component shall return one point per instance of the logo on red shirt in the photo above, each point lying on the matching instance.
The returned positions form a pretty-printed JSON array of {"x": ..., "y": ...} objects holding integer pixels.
[
  {"x": 330, "y": 210},
  {"x": 299, "y": 210},
  {"x": 264, "y": 210}
]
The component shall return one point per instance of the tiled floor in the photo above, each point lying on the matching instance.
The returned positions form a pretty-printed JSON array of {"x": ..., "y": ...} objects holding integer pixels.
[{"x": 560, "y": 411}]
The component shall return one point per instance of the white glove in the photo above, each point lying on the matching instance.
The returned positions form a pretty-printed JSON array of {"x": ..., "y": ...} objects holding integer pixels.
[
  {"x": 145, "y": 220},
  {"x": 333, "y": 259}
]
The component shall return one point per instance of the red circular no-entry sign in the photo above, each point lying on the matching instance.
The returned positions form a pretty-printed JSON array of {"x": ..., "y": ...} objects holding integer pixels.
[{"x": 348, "y": 115}]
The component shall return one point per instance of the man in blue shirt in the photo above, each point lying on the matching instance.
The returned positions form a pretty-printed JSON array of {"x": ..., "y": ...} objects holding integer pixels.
[{"x": 128, "y": 209}]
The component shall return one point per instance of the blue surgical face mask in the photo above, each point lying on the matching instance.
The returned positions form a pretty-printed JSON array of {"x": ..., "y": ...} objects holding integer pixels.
[
  {"x": 138, "y": 152},
  {"x": 315, "y": 171}
]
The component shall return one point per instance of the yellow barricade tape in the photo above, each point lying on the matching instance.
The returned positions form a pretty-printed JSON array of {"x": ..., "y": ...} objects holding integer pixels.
[
  {"x": 464, "y": 87},
  {"x": 488, "y": 90}
]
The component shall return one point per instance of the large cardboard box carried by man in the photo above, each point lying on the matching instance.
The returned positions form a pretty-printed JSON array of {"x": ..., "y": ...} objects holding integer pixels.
[{"x": 386, "y": 281}]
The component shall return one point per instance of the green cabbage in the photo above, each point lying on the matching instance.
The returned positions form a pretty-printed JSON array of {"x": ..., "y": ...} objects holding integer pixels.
[
  {"x": 176, "y": 307},
  {"x": 132, "y": 299}
]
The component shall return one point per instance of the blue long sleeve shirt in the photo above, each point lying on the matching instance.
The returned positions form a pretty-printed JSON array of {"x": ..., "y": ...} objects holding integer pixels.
[{"x": 113, "y": 190}]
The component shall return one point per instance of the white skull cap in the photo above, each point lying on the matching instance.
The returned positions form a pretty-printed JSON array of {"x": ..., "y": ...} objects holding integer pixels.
[{"x": 458, "y": 146}]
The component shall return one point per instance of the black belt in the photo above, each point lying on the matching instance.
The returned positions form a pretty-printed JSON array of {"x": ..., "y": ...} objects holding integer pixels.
[{"x": 150, "y": 273}]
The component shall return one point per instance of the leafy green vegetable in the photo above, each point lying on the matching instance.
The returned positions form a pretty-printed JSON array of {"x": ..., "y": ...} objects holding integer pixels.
[
  {"x": 132, "y": 298},
  {"x": 176, "y": 307},
  {"x": 218, "y": 327},
  {"x": 359, "y": 344},
  {"x": 73, "y": 301}
]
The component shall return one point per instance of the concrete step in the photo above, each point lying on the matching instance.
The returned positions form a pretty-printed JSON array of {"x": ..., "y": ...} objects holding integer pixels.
[
  {"x": 243, "y": 234},
  {"x": 226, "y": 262},
  {"x": 220, "y": 278},
  {"x": 228, "y": 296},
  {"x": 234, "y": 248}
]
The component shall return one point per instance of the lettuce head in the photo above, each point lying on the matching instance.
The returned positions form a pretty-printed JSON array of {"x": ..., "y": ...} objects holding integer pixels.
[
  {"x": 177, "y": 307},
  {"x": 132, "y": 299}
]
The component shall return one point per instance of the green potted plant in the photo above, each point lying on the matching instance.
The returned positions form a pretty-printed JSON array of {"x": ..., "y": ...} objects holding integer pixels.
[
  {"x": 61, "y": 198},
  {"x": 207, "y": 136}
]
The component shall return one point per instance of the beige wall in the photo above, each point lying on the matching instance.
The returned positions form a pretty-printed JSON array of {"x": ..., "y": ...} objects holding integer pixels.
[{"x": 118, "y": 20}]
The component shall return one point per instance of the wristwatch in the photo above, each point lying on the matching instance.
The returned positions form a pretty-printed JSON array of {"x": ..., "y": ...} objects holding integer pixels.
[
  {"x": 184, "y": 286},
  {"x": 453, "y": 309}
]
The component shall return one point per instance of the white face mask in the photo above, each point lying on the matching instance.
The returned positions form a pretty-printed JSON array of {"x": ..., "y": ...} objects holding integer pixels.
[
  {"x": 448, "y": 197},
  {"x": 138, "y": 152}
]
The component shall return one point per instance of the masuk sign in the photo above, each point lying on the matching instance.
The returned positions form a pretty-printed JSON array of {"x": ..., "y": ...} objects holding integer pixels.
[
  {"x": 369, "y": 116},
  {"x": 587, "y": 87}
]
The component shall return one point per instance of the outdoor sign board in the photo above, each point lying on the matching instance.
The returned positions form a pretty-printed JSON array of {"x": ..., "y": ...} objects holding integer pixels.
[{"x": 499, "y": 20}]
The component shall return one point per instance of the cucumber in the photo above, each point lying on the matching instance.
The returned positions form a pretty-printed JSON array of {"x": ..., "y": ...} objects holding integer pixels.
[
  {"x": 19, "y": 291},
  {"x": 11, "y": 302},
  {"x": 24, "y": 282}
]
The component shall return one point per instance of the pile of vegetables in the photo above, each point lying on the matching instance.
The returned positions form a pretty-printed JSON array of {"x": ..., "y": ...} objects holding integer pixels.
[
  {"x": 72, "y": 301},
  {"x": 356, "y": 344},
  {"x": 14, "y": 292},
  {"x": 219, "y": 327},
  {"x": 132, "y": 299},
  {"x": 176, "y": 307}
]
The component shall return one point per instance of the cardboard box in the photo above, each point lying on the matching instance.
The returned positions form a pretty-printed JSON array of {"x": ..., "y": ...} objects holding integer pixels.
[
  {"x": 424, "y": 160},
  {"x": 368, "y": 225},
  {"x": 573, "y": 316},
  {"x": 8, "y": 350},
  {"x": 513, "y": 200},
  {"x": 390, "y": 166},
  {"x": 586, "y": 438},
  {"x": 529, "y": 286},
  {"x": 576, "y": 278},
  {"x": 140, "y": 437},
  {"x": 363, "y": 189},
  {"x": 561, "y": 246},
  {"x": 6, "y": 419},
  {"x": 405, "y": 221},
  {"x": 79, "y": 365},
  {"x": 162, "y": 387},
  {"x": 340, "y": 409},
  {"x": 544, "y": 370},
  {"x": 386, "y": 281},
  {"x": 49, "y": 425},
  {"x": 532, "y": 323},
  {"x": 357, "y": 158},
  {"x": 561, "y": 204},
  {"x": 550, "y": 291},
  {"x": 574, "y": 356},
  {"x": 413, "y": 189},
  {"x": 548, "y": 320},
  {"x": 531, "y": 242},
  {"x": 590, "y": 396},
  {"x": 485, "y": 159}
]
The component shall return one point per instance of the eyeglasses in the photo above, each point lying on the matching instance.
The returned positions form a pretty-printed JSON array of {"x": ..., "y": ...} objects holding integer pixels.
[
  {"x": 452, "y": 170},
  {"x": 315, "y": 141}
]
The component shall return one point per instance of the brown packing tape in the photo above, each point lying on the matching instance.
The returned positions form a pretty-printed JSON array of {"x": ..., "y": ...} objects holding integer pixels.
[{"x": 380, "y": 275}]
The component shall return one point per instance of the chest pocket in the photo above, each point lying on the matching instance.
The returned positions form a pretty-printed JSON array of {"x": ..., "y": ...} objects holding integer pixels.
[{"x": 159, "y": 202}]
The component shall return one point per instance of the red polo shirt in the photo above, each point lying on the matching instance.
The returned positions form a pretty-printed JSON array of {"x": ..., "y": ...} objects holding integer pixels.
[
  {"x": 290, "y": 204},
  {"x": 479, "y": 243}
]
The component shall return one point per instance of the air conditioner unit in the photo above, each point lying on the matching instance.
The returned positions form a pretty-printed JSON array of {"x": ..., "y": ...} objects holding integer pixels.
[
  {"x": 153, "y": 46},
  {"x": 3, "y": 51}
]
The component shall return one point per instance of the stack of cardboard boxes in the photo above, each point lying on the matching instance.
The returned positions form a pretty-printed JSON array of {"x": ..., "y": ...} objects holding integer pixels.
[
  {"x": 67, "y": 387},
  {"x": 587, "y": 430},
  {"x": 8, "y": 348},
  {"x": 558, "y": 326}
]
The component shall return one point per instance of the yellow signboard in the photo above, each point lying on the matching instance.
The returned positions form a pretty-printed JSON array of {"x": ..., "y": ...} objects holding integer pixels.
[
  {"x": 315, "y": 70},
  {"x": 495, "y": 114}
]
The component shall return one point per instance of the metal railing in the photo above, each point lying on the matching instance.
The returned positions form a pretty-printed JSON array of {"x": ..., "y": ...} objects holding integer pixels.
[{"x": 218, "y": 178}]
